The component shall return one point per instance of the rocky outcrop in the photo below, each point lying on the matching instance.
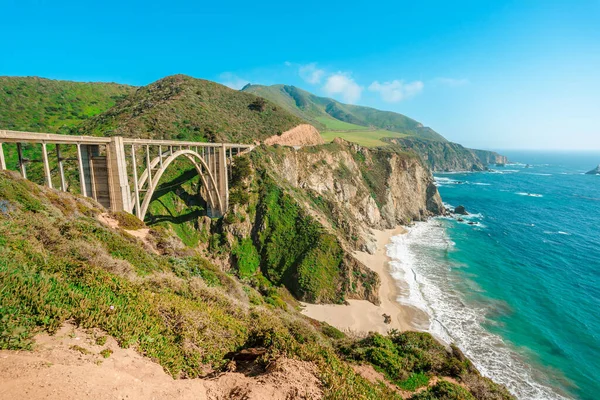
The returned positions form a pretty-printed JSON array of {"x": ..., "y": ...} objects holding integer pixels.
[
  {"x": 301, "y": 135},
  {"x": 595, "y": 171},
  {"x": 461, "y": 210},
  {"x": 447, "y": 156},
  {"x": 489, "y": 157}
]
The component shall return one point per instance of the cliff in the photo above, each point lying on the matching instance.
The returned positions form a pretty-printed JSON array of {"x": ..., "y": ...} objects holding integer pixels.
[
  {"x": 490, "y": 157},
  {"x": 447, "y": 156},
  {"x": 300, "y": 213}
]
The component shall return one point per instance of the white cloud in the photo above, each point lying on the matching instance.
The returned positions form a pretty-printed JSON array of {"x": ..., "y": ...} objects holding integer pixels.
[
  {"x": 233, "y": 81},
  {"x": 287, "y": 64},
  {"x": 310, "y": 73},
  {"x": 396, "y": 90},
  {"x": 342, "y": 84},
  {"x": 451, "y": 82}
]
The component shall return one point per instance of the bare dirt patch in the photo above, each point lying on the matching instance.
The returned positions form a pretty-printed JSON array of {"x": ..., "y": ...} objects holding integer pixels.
[
  {"x": 74, "y": 364},
  {"x": 301, "y": 135}
]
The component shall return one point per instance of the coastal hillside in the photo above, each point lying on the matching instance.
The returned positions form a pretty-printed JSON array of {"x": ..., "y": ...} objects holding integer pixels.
[
  {"x": 184, "y": 108},
  {"x": 102, "y": 282},
  {"x": 374, "y": 128},
  {"x": 331, "y": 116},
  {"x": 44, "y": 105}
]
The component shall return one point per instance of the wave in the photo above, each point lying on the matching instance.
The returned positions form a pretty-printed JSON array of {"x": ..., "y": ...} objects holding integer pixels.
[
  {"x": 504, "y": 171},
  {"x": 419, "y": 264},
  {"x": 557, "y": 233},
  {"x": 529, "y": 194}
]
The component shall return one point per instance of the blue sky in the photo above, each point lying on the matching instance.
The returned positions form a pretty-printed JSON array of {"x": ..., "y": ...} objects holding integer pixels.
[{"x": 488, "y": 74}]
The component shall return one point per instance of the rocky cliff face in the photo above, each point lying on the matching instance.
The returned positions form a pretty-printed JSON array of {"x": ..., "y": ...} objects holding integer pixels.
[
  {"x": 447, "y": 156},
  {"x": 354, "y": 189},
  {"x": 490, "y": 157}
]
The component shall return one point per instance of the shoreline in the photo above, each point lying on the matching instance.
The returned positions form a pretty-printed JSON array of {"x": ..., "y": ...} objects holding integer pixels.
[{"x": 362, "y": 316}]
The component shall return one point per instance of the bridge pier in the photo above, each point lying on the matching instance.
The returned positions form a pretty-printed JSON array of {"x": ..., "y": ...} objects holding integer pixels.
[{"x": 118, "y": 184}]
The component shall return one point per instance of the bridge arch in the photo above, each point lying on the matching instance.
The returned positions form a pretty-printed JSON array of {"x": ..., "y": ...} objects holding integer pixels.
[{"x": 215, "y": 198}]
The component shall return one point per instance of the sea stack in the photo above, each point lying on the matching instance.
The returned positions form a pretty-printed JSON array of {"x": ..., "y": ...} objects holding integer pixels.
[
  {"x": 595, "y": 171},
  {"x": 461, "y": 210}
]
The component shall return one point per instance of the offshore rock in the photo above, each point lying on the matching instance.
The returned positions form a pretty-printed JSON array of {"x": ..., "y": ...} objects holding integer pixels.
[
  {"x": 461, "y": 210},
  {"x": 595, "y": 171}
]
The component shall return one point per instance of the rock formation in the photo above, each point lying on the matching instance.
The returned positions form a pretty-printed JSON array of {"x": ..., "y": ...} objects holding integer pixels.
[{"x": 595, "y": 171}]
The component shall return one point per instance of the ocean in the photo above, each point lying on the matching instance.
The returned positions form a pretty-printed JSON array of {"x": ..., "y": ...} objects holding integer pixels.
[{"x": 516, "y": 284}]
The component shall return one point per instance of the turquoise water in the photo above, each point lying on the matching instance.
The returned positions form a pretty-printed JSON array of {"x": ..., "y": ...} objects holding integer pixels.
[{"x": 519, "y": 289}]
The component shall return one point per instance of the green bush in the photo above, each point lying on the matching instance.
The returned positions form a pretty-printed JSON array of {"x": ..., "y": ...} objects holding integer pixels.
[
  {"x": 444, "y": 390},
  {"x": 127, "y": 220},
  {"x": 246, "y": 257}
]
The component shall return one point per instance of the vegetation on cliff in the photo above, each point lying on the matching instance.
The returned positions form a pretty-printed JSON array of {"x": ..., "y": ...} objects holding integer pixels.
[{"x": 59, "y": 263}]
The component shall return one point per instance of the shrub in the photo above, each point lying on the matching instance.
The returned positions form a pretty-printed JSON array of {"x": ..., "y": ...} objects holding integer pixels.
[
  {"x": 444, "y": 390},
  {"x": 246, "y": 257},
  {"x": 127, "y": 220}
]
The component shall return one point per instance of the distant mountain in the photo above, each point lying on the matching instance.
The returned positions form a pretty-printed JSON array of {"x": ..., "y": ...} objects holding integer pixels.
[
  {"x": 45, "y": 105},
  {"x": 370, "y": 127},
  {"x": 185, "y": 108},
  {"x": 330, "y": 115}
]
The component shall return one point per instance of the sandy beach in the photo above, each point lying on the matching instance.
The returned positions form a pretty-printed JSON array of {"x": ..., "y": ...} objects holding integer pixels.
[{"x": 362, "y": 316}]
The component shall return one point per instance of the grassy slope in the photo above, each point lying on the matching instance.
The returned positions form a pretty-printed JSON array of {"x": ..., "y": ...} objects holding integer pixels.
[
  {"x": 44, "y": 105},
  {"x": 58, "y": 263},
  {"x": 363, "y": 125},
  {"x": 183, "y": 108}
]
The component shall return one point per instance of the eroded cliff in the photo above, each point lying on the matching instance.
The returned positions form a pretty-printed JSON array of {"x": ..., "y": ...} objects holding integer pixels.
[{"x": 298, "y": 214}]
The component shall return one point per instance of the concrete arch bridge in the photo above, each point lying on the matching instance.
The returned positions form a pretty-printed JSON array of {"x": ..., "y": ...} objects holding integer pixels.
[{"x": 121, "y": 173}]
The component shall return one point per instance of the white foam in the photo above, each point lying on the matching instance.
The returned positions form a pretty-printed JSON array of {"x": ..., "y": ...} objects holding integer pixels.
[
  {"x": 557, "y": 233},
  {"x": 431, "y": 285},
  {"x": 529, "y": 194},
  {"x": 503, "y": 172}
]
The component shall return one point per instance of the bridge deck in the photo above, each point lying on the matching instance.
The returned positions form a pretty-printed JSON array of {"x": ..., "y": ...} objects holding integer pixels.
[{"x": 7, "y": 136}]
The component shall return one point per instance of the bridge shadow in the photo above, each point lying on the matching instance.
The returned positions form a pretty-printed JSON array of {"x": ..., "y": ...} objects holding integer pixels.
[{"x": 192, "y": 201}]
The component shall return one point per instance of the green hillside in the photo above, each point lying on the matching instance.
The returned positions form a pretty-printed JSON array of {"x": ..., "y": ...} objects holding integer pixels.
[
  {"x": 45, "y": 105},
  {"x": 59, "y": 263},
  {"x": 184, "y": 108},
  {"x": 363, "y": 125}
]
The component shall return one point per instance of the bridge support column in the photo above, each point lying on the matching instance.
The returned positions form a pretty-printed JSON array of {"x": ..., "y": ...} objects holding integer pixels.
[
  {"x": 82, "y": 182},
  {"x": 223, "y": 178},
  {"x": 61, "y": 169},
  {"x": 118, "y": 184},
  {"x": 2, "y": 160},
  {"x": 21, "y": 161},
  {"x": 48, "y": 177}
]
